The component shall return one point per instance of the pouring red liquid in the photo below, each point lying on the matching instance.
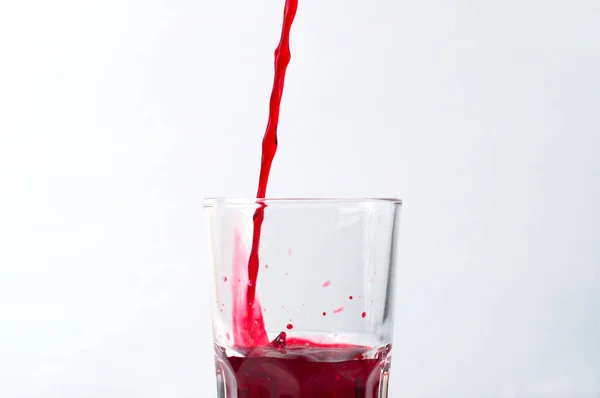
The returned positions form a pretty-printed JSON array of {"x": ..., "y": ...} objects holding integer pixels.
[
  {"x": 287, "y": 367},
  {"x": 250, "y": 330}
]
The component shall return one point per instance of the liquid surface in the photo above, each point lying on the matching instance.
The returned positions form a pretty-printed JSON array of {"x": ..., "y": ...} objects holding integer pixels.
[{"x": 300, "y": 369}]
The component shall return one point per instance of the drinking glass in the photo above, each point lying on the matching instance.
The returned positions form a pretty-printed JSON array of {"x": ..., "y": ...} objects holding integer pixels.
[{"x": 324, "y": 296}]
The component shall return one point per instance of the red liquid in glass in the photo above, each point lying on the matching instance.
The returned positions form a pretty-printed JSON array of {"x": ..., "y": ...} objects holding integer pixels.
[
  {"x": 301, "y": 369},
  {"x": 300, "y": 377}
]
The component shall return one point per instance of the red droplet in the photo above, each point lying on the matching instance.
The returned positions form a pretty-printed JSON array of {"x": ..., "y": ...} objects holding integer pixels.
[
  {"x": 289, "y": 252},
  {"x": 350, "y": 297},
  {"x": 338, "y": 310},
  {"x": 279, "y": 341},
  {"x": 224, "y": 279},
  {"x": 266, "y": 265},
  {"x": 227, "y": 335},
  {"x": 286, "y": 274},
  {"x": 364, "y": 314},
  {"x": 290, "y": 326},
  {"x": 326, "y": 284}
]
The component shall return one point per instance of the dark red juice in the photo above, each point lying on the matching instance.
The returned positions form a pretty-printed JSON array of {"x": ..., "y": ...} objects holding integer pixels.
[
  {"x": 302, "y": 369},
  {"x": 265, "y": 377}
]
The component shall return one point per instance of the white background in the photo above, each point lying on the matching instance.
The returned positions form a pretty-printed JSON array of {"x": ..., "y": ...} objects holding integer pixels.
[{"x": 118, "y": 117}]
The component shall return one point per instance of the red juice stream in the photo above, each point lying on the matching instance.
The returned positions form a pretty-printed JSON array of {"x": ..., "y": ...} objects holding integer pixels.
[
  {"x": 252, "y": 330},
  {"x": 286, "y": 367}
]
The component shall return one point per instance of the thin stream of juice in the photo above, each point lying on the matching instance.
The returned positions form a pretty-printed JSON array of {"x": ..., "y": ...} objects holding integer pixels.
[
  {"x": 249, "y": 327},
  {"x": 286, "y": 367}
]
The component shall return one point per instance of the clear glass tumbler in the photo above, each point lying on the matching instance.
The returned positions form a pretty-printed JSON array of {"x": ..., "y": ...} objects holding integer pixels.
[{"x": 320, "y": 321}]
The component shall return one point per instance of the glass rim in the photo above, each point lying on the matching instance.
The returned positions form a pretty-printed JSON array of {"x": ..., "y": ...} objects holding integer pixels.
[{"x": 231, "y": 201}]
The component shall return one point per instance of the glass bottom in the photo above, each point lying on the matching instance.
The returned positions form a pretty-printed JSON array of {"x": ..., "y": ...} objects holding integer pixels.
[{"x": 304, "y": 372}]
